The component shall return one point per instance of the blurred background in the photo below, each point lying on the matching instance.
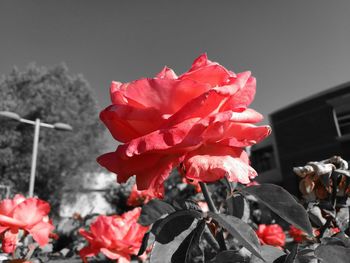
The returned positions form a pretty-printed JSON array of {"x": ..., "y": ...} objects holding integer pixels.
[{"x": 295, "y": 49}]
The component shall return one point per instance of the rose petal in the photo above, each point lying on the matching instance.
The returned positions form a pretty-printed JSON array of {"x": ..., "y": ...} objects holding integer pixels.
[
  {"x": 167, "y": 73},
  {"x": 191, "y": 133},
  {"x": 236, "y": 134},
  {"x": 11, "y": 222},
  {"x": 102, "y": 231},
  {"x": 88, "y": 252},
  {"x": 127, "y": 167},
  {"x": 3, "y": 229},
  {"x": 18, "y": 199},
  {"x": 31, "y": 211},
  {"x": 154, "y": 178},
  {"x": 110, "y": 254},
  {"x": 162, "y": 94},
  {"x": 6, "y": 207},
  {"x": 126, "y": 122},
  {"x": 213, "y": 162},
  {"x": 151, "y": 169},
  {"x": 86, "y": 234},
  {"x": 41, "y": 232},
  {"x": 244, "y": 95},
  {"x": 185, "y": 134},
  {"x": 244, "y": 116},
  {"x": 202, "y": 106},
  {"x": 206, "y": 71}
]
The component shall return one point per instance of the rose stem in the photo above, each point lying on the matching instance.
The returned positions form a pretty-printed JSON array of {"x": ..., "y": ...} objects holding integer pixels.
[
  {"x": 208, "y": 198},
  {"x": 212, "y": 208}
]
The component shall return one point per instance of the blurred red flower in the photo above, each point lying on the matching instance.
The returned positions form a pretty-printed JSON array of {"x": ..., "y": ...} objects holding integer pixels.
[
  {"x": 271, "y": 235},
  {"x": 200, "y": 119},
  {"x": 137, "y": 198},
  {"x": 335, "y": 230},
  {"x": 29, "y": 215},
  {"x": 297, "y": 234},
  {"x": 117, "y": 237}
]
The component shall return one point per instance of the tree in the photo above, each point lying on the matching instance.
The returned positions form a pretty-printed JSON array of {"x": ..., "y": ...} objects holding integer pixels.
[{"x": 53, "y": 95}]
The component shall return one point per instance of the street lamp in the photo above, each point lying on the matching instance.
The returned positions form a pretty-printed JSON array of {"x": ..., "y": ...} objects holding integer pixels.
[{"x": 37, "y": 123}]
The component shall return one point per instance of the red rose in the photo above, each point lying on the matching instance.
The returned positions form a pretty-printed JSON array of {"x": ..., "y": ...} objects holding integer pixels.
[
  {"x": 297, "y": 234},
  {"x": 137, "y": 198},
  {"x": 117, "y": 237},
  {"x": 271, "y": 235},
  {"x": 199, "y": 119},
  {"x": 30, "y": 215},
  {"x": 335, "y": 230},
  {"x": 9, "y": 241}
]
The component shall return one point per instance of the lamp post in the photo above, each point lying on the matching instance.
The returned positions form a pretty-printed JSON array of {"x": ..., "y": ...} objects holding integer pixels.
[{"x": 37, "y": 123}]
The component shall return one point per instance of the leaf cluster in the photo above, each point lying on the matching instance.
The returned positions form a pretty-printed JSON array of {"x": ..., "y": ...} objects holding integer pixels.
[{"x": 178, "y": 231}]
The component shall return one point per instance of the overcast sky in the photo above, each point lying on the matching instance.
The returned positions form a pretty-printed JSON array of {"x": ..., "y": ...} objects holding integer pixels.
[{"x": 294, "y": 48}]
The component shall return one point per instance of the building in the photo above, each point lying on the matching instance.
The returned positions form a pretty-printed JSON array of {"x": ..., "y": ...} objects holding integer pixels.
[{"x": 312, "y": 129}]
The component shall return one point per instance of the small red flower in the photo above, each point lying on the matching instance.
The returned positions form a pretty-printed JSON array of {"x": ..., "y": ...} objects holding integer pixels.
[
  {"x": 271, "y": 235},
  {"x": 335, "y": 230},
  {"x": 137, "y": 198},
  {"x": 117, "y": 237},
  {"x": 30, "y": 215},
  {"x": 297, "y": 234},
  {"x": 316, "y": 232},
  {"x": 9, "y": 241}
]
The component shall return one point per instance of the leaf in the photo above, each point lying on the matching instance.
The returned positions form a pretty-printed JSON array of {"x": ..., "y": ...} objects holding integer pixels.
[
  {"x": 270, "y": 254},
  {"x": 282, "y": 203},
  {"x": 154, "y": 210},
  {"x": 332, "y": 253},
  {"x": 228, "y": 256},
  {"x": 240, "y": 230},
  {"x": 171, "y": 232},
  {"x": 164, "y": 222},
  {"x": 183, "y": 253},
  {"x": 149, "y": 237},
  {"x": 343, "y": 218},
  {"x": 147, "y": 240},
  {"x": 332, "y": 241},
  {"x": 306, "y": 256},
  {"x": 208, "y": 236},
  {"x": 188, "y": 204},
  {"x": 238, "y": 206},
  {"x": 291, "y": 256},
  {"x": 315, "y": 215},
  {"x": 344, "y": 238}
]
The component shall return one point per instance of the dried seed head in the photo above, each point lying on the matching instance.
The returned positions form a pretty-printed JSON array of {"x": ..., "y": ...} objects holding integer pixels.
[{"x": 303, "y": 171}]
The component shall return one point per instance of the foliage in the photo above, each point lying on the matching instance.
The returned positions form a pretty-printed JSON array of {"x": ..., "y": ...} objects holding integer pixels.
[
  {"x": 53, "y": 95},
  {"x": 312, "y": 241}
]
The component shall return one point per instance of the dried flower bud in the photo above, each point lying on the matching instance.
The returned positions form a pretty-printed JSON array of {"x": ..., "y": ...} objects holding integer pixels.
[
  {"x": 306, "y": 185},
  {"x": 322, "y": 168},
  {"x": 303, "y": 171}
]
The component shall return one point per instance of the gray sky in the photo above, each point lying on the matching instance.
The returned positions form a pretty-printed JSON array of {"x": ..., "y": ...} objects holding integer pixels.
[{"x": 294, "y": 48}]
